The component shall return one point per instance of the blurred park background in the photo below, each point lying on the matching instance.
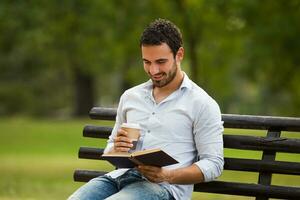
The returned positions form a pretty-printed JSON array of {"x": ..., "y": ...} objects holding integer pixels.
[{"x": 60, "y": 58}]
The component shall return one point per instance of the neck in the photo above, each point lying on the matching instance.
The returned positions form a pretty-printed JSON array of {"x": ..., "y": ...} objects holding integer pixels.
[{"x": 161, "y": 93}]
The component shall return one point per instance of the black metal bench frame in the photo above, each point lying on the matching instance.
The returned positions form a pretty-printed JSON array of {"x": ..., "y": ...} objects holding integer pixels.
[{"x": 269, "y": 145}]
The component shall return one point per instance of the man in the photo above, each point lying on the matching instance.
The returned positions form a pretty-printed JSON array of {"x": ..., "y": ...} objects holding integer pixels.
[{"x": 176, "y": 115}]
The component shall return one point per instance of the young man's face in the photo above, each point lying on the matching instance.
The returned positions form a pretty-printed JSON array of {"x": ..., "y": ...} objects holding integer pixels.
[{"x": 159, "y": 64}]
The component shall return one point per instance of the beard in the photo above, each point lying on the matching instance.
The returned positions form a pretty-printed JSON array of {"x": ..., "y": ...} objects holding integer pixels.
[{"x": 168, "y": 77}]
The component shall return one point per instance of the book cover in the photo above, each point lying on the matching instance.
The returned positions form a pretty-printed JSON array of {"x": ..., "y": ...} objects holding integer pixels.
[{"x": 154, "y": 157}]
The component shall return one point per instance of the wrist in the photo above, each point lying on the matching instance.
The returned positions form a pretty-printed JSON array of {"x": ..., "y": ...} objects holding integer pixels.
[{"x": 171, "y": 176}]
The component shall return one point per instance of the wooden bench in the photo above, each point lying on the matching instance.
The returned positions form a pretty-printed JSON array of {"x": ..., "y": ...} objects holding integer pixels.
[{"x": 265, "y": 167}]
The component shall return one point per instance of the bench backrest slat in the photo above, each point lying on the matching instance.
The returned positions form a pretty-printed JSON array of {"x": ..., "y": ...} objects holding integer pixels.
[
  {"x": 252, "y": 165},
  {"x": 261, "y": 122},
  {"x": 97, "y": 131},
  {"x": 262, "y": 143},
  {"x": 90, "y": 153}
]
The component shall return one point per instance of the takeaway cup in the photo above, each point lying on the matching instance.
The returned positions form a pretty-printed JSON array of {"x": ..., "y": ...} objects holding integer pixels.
[{"x": 133, "y": 131}]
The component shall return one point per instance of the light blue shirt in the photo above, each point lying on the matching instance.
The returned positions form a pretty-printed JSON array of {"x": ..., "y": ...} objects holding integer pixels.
[{"x": 187, "y": 125}]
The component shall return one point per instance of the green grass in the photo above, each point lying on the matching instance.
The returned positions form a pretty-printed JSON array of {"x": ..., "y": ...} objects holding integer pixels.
[{"x": 38, "y": 158}]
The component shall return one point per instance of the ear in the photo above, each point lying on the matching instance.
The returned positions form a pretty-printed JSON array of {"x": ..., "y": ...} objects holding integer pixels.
[{"x": 180, "y": 54}]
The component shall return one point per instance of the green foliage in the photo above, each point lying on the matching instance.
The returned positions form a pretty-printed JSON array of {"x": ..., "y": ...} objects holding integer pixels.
[
  {"x": 244, "y": 53},
  {"x": 273, "y": 61}
]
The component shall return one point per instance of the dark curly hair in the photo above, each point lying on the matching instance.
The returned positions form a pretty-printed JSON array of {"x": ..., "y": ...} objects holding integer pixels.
[{"x": 162, "y": 31}]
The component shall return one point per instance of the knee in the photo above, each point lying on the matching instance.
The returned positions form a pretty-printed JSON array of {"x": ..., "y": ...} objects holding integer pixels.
[{"x": 73, "y": 197}]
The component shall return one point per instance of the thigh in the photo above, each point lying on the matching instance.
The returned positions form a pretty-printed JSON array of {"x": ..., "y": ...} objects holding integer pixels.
[
  {"x": 96, "y": 189},
  {"x": 144, "y": 190}
]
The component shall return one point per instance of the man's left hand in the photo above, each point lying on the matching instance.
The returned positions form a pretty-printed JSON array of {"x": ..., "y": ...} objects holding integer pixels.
[{"x": 156, "y": 174}]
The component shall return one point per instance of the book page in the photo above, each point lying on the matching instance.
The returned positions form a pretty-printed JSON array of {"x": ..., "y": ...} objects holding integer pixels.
[
  {"x": 137, "y": 153},
  {"x": 119, "y": 154}
]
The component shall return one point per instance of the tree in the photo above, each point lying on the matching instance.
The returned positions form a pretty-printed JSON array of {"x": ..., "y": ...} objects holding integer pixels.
[{"x": 273, "y": 50}]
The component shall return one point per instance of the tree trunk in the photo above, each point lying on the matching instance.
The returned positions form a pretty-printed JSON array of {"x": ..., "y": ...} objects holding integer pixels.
[{"x": 84, "y": 92}]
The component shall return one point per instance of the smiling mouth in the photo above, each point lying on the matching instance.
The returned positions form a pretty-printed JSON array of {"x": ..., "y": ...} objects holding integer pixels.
[{"x": 158, "y": 77}]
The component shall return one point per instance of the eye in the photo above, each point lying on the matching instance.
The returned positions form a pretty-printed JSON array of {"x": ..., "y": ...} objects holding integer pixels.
[
  {"x": 146, "y": 62},
  {"x": 161, "y": 61}
]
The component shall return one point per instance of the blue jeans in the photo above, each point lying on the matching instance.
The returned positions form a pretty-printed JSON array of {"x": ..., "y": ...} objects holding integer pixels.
[{"x": 131, "y": 185}]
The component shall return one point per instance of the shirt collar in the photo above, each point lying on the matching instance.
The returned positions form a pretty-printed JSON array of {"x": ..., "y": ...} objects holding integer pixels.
[{"x": 186, "y": 83}]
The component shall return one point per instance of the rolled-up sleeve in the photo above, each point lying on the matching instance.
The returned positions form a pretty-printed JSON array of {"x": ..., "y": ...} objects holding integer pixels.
[{"x": 208, "y": 133}]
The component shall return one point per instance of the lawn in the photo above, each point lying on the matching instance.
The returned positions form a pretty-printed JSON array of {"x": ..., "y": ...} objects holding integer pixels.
[{"x": 38, "y": 158}]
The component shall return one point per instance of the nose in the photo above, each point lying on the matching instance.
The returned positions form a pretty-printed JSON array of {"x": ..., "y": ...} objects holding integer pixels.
[{"x": 154, "y": 69}]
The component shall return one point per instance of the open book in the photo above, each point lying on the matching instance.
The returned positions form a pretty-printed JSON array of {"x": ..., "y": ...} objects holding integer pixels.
[{"x": 154, "y": 157}]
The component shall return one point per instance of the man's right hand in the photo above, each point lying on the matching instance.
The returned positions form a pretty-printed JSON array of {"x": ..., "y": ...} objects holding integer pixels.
[{"x": 122, "y": 143}]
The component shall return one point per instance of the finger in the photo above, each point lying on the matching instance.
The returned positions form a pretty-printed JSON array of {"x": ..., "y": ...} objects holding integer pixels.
[
  {"x": 123, "y": 144},
  {"x": 153, "y": 177},
  {"x": 123, "y": 149},
  {"x": 148, "y": 174},
  {"x": 149, "y": 168},
  {"x": 119, "y": 146},
  {"x": 156, "y": 175},
  {"x": 122, "y": 139},
  {"x": 122, "y": 132}
]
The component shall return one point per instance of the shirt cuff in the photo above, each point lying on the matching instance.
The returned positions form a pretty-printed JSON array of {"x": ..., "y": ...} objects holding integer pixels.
[
  {"x": 108, "y": 147},
  {"x": 210, "y": 169}
]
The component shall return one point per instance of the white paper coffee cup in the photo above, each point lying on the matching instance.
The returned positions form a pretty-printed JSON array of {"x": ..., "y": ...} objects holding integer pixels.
[{"x": 133, "y": 131}]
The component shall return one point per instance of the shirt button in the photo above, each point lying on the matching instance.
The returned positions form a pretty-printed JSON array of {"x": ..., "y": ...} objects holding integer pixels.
[
  {"x": 153, "y": 113},
  {"x": 148, "y": 131}
]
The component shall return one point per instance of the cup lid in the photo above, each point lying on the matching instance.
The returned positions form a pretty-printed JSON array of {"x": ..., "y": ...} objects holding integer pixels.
[{"x": 131, "y": 125}]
